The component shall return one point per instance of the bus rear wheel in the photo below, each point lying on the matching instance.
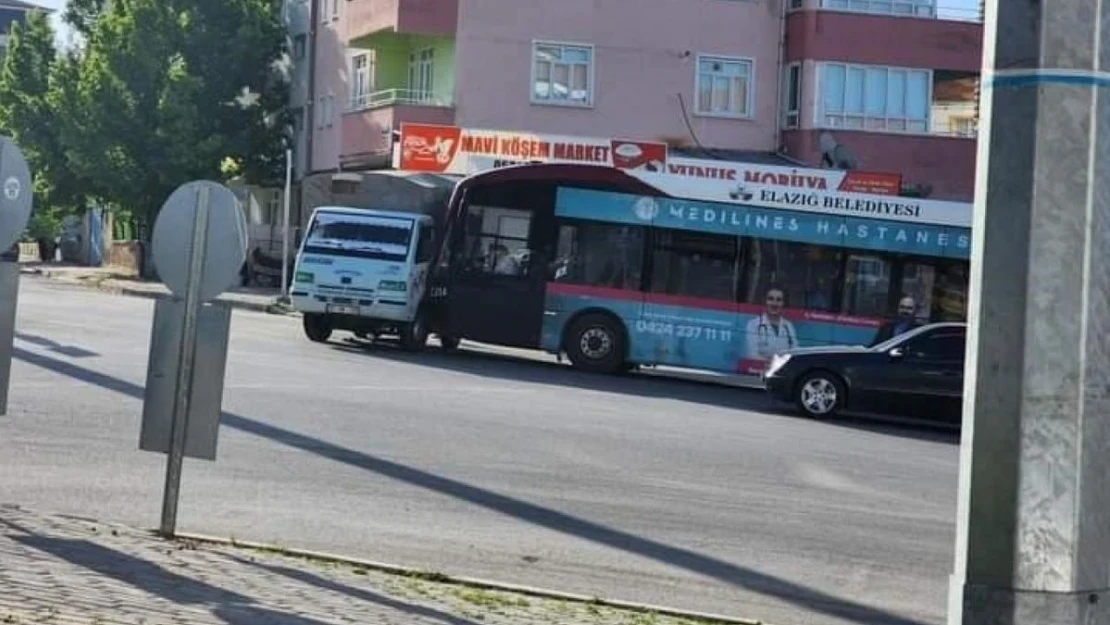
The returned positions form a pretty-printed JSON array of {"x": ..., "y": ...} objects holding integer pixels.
[
  {"x": 596, "y": 343},
  {"x": 317, "y": 328}
]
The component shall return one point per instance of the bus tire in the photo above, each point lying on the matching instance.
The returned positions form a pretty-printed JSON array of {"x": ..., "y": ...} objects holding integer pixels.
[
  {"x": 414, "y": 335},
  {"x": 820, "y": 394},
  {"x": 448, "y": 342},
  {"x": 316, "y": 327},
  {"x": 596, "y": 343}
]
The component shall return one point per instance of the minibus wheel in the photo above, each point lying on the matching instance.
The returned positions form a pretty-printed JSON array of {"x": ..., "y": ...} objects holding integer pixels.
[
  {"x": 414, "y": 335},
  {"x": 317, "y": 328}
]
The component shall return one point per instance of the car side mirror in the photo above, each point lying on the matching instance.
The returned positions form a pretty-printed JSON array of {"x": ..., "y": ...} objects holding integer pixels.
[{"x": 897, "y": 353}]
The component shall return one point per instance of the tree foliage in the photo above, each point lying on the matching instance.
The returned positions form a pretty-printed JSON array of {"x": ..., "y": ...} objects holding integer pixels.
[
  {"x": 26, "y": 113},
  {"x": 159, "y": 93}
]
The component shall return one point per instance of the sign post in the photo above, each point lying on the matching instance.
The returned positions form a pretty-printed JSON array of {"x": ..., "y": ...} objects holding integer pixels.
[
  {"x": 285, "y": 226},
  {"x": 199, "y": 245},
  {"x": 15, "y": 211},
  {"x": 186, "y": 353}
]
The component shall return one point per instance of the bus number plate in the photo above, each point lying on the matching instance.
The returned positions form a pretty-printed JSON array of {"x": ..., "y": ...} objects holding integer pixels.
[{"x": 340, "y": 309}]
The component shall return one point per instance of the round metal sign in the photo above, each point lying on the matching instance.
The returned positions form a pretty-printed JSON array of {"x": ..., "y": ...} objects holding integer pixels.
[
  {"x": 15, "y": 199},
  {"x": 225, "y": 246}
]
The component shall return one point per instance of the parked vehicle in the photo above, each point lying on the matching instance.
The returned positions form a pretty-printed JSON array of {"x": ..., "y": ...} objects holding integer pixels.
[
  {"x": 364, "y": 271},
  {"x": 919, "y": 373}
]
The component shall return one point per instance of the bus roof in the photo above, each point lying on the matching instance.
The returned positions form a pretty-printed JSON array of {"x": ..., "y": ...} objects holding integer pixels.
[
  {"x": 353, "y": 210},
  {"x": 559, "y": 172}
]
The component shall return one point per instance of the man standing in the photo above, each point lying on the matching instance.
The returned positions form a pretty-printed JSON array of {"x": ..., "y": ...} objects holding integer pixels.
[{"x": 904, "y": 322}]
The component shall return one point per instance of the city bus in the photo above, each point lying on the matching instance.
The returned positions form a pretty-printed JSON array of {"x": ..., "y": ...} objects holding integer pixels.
[{"x": 608, "y": 268}]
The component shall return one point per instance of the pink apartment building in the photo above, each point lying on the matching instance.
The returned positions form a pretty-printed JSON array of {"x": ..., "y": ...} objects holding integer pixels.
[{"x": 746, "y": 79}]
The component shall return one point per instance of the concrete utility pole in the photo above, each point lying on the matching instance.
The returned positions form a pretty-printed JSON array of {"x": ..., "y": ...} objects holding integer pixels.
[{"x": 1033, "y": 534}]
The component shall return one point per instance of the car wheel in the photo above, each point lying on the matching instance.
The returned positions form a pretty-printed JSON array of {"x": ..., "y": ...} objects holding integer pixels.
[
  {"x": 448, "y": 342},
  {"x": 414, "y": 335},
  {"x": 595, "y": 343},
  {"x": 820, "y": 395},
  {"x": 317, "y": 328}
]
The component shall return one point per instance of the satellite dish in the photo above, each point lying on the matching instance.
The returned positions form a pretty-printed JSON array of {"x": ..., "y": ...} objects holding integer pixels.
[{"x": 835, "y": 155}]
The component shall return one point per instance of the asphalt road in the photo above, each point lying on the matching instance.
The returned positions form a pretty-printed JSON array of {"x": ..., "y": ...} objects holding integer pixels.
[{"x": 670, "y": 492}]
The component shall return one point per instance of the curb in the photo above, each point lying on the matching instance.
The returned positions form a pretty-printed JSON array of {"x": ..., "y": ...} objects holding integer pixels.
[
  {"x": 272, "y": 307},
  {"x": 481, "y": 584}
]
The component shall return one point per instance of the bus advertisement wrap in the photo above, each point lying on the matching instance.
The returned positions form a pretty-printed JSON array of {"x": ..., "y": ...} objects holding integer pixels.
[
  {"x": 705, "y": 333},
  {"x": 818, "y": 228}
]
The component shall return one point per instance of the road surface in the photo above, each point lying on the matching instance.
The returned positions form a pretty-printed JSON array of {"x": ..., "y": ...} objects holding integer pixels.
[{"x": 669, "y": 492}]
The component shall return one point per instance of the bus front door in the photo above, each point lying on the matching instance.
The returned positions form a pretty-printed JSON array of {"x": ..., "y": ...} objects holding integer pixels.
[{"x": 496, "y": 293}]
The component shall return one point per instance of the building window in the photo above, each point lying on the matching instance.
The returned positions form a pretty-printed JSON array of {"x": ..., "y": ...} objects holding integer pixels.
[
  {"x": 963, "y": 126},
  {"x": 724, "y": 86},
  {"x": 299, "y": 47},
  {"x": 792, "y": 98},
  {"x": 362, "y": 79},
  {"x": 796, "y": 4},
  {"x": 910, "y": 8},
  {"x": 562, "y": 74},
  {"x": 324, "y": 7},
  {"x": 422, "y": 75},
  {"x": 871, "y": 97},
  {"x": 334, "y": 9}
]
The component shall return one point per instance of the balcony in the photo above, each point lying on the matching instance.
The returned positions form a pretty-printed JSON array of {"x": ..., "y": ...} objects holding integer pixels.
[
  {"x": 419, "y": 17},
  {"x": 884, "y": 38},
  {"x": 371, "y": 118},
  {"x": 397, "y": 97}
]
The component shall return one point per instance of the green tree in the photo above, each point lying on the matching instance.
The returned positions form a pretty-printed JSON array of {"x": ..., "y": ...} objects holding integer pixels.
[
  {"x": 165, "y": 91},
  {"x": 27, "y": 115}
]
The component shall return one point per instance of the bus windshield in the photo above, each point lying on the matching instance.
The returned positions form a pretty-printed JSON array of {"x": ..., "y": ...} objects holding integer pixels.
[{"x": 360, "y": 236}]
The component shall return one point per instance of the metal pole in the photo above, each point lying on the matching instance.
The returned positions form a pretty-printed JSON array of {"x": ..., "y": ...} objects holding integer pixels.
[
  {"x": 285, "y": 225},
  {"x": 186, "y": 353},
  {"x": 1033, "y": 528}
]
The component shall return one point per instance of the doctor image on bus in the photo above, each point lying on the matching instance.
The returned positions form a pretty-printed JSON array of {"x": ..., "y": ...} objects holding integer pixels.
[{"x": 770, "y": 332}]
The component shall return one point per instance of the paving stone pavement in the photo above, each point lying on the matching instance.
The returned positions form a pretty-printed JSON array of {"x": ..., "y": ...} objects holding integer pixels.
[{"x": 64, "y": 570}]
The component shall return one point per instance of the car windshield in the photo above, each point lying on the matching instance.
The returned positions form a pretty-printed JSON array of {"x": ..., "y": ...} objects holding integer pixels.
[{"x": 362, "y": 236}]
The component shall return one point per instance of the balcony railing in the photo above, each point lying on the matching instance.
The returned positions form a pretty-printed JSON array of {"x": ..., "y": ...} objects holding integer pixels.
[
  {"x": 902, "y": 8},
  {"x": 396, "y": 97}
]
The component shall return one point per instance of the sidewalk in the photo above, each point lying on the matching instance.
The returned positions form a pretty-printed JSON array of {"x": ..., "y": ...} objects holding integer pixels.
[
  {"x": 122, "y": 283},
  {"x": 64, "y": 570}
]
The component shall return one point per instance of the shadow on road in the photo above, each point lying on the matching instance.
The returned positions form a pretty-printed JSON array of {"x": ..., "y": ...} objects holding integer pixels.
[
  {"x": 698, "y": 389},
  {"x": 71, "y": 351},
  {"x": 739, "y": 576}
]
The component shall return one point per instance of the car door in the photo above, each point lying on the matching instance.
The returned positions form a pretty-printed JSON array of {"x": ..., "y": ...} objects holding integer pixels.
[{"x": 930, "y": 373}]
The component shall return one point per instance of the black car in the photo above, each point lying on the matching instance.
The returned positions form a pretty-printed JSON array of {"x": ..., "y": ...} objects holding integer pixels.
[{"x": 919, "y": 373}]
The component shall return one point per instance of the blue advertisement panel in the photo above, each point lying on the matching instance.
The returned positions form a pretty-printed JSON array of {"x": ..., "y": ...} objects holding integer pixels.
[
  {"x": 738, "y": 220},
  {"x": 730, "y": 339}
]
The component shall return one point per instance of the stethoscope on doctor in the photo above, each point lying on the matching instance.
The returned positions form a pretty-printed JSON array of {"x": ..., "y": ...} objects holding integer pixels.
[{"x": 763, "y": 332}]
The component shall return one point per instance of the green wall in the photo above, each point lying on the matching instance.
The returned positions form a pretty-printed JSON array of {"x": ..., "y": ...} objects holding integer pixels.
[{"x": 393, "y": 52}]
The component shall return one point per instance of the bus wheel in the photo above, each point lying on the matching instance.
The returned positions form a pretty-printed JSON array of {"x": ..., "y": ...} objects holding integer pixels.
[
  {"x": 595, "y": 343},
  {"x": 448, "y": 342},
  {"x": 317, "y": 328},
  {"x": 414, "y": 335}
]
